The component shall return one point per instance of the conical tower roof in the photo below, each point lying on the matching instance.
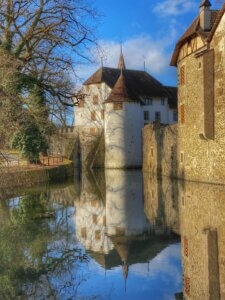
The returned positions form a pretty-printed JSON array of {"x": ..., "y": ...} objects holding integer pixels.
[
  {"x": 121, "y": 64},
  {"x": 121, "y": 91}
]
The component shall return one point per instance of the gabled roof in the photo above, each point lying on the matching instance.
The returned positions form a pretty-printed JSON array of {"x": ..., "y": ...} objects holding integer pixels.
[
  {"x": 194, "y": 30},
  {"x": 190, "y": 32},
  {"x": 216, "y": 22},
  {"x": 138, "y": 83}
]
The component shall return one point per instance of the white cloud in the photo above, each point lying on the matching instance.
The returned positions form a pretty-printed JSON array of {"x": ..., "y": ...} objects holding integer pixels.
[
  {"x": 175, "y": 7},
  {"x": 137, "y": 50},
  {"x": 162, "y": 264}
]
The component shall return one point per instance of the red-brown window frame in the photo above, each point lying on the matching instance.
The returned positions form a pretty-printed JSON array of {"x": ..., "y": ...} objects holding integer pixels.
[
  {"x": 93, "y": 116},
  {"x": 182, "y": 114},
  {"x": 182, "y": 75},
  {"x": 95, "y": 100},
  {"x": 117, "y": 105}
]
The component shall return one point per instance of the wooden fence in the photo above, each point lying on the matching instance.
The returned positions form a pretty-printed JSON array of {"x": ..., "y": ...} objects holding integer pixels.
[{"x": 44, "y": 161}]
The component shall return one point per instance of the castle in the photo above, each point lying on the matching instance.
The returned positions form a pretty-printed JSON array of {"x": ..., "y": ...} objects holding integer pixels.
[
  {"x": 118, "y": 104},
  {"x": 195, "y": 148}
]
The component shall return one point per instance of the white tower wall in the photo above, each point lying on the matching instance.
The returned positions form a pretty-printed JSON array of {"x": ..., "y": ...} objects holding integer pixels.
[
  {"x": 123, "y": 136},
  {"x": 124, "y": 203}
]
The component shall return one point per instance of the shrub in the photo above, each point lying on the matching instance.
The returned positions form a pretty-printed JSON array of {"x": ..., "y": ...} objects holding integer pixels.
[{"x": 30, "y": 141}]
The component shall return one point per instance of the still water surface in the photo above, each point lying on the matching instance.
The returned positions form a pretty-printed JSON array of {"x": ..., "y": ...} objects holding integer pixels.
[{"x": 103, "y": 236}]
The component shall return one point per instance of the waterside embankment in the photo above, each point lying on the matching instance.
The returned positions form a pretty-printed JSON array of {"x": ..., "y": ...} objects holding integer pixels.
[{"x": 14, "y": 178}]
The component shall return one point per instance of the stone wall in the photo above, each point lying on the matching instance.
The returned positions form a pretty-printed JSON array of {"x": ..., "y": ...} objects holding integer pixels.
[
  {"x": 84, "y": 146},
  {"x": 160, "y": 149},
  {"x": 201, "y": 142},
  {"x": 11, "y": 180}
]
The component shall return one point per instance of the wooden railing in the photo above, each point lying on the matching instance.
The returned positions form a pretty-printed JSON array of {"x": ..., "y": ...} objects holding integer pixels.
[
  {"x": 51, "y": 160},
  {"x": 44, "y": 161}
]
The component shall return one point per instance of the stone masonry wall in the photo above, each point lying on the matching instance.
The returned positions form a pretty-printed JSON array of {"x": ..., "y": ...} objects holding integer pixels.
[
  {"x": 201, "y": 142},
  {"x": 160, "y": 150},
  {"x": 84, "y": 146}
]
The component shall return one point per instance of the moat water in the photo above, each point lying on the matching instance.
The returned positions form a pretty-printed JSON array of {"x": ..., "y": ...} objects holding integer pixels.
[{"x": 104, "y": 235}]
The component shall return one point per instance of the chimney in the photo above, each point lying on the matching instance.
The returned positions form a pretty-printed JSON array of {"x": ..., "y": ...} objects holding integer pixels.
[{"x": 205, "y": 15}]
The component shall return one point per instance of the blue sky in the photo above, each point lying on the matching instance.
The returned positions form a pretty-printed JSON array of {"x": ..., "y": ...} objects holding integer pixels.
[{"x": 148, "y": 30}]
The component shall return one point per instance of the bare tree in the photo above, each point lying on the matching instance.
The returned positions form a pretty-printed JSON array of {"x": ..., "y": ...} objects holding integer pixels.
[{"x": 45, "y": 38}]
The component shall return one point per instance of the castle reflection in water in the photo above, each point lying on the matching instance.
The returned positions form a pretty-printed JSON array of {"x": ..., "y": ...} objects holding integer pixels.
[
  {"x": 116, "y": 229},
  {"x": 111, "y": 223},
  {"x": 123, "y": 218}
]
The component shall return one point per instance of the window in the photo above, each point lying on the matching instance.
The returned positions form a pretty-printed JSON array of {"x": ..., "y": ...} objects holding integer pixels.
[
  {"x": 93, "y": 116},
  {"x": 95, "y": 99},
  {"x": 81, "y": 103},
  {"x": 148, "y": 101},
  {"x": 185, "y": 247},
  {"x": 146, "y": 115},
  {"x": 158, "y": 116},
  {"x": 97, "y": 235},
  {"x": 84, "y": 232},
  {"x": 92, "y": 131},
  {"x": 163, "y": 102},
  {"x": 118, "y": 106},
  {"x": 103, "y": 114},
  {"x": 175, "y": 116},
  {"x": 182, "y": 114},
  {"x": 95, "y": 219},
  {"x": 187, "y": 286},
  {"x": 182, "y": 157},
  {"x": 182, "y": 75},
  {"x": 152, "y": 152}
]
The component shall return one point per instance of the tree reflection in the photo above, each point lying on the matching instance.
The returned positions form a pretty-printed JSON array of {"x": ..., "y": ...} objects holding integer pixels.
[{"x": 39, "y": 257}]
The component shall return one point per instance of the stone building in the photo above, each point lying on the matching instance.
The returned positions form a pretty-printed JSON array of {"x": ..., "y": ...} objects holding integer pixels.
[
  {"x": 118, "y": 104},
  {"x": 199, "y": 57},
  {"x": 197, "y": 151}
]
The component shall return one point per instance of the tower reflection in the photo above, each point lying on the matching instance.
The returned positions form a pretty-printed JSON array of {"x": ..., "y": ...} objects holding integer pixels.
[{"x": 111, "y": 223}]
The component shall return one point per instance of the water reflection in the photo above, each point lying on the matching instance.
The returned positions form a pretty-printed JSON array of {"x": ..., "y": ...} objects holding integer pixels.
[
  {"x": 202, "y": 215},
  {"x": 95, "y": 238},
  {"x": 37, "y": 249},
  {"x": 197, "y": 212},
  {"x": 112, "y": 226}
]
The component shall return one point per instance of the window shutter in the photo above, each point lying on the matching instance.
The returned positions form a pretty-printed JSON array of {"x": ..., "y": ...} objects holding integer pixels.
[
  {"x": 182, "y": 75},
  {"x": 182, "y": 114},
  {"x": 118, "y": 106}
]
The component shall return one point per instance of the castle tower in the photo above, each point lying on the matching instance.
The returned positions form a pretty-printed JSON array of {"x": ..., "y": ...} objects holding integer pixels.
[{"x": 122, "y": 125}]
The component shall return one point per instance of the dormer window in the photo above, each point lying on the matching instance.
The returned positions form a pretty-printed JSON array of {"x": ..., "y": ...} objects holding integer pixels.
[{"x": 148, "y": 101}]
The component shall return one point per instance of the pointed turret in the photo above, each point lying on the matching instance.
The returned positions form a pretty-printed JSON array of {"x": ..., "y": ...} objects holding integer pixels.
[
  {"x": 121, "y": 91},
  {"x": 121, "y": 64}
]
